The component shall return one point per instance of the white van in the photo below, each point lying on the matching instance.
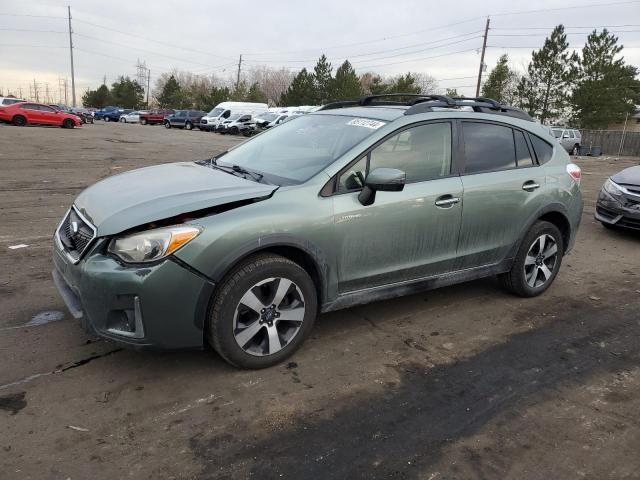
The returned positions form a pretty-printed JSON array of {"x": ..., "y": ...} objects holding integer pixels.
[{"x": 225, "y": 109}]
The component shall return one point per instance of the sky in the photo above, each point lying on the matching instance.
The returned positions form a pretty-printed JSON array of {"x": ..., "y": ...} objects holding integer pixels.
[{"x": 442, "y": 39}]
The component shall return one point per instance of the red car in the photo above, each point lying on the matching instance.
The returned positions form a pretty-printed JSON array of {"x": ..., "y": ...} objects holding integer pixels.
[
  {"x": 31, "y": 113},
  {"x": 155, "y": 116}
]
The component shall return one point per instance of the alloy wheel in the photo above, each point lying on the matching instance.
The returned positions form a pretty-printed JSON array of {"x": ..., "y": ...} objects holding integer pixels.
[
  {"x": 268, "y": 316},
  {"x": 540, "y": 261}
]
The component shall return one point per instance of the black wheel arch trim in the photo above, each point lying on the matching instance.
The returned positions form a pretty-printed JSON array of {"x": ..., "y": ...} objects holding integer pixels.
[
  {"x": 549, "y": 208},
  {"x": 269, "y": 242}
]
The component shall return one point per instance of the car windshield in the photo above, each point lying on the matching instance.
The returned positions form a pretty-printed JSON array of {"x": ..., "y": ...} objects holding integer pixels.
[
  {"x": 296, "y": 151},
  {"x": 215, "y": 112},
  {"x": 557, "y": 133},
  {"x": 268, "y": 117}
]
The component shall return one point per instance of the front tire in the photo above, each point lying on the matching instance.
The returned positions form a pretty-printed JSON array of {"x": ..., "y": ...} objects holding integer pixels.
[
  {"x": 575, "y": 150},
  {"x": 262, "y": 311},
  {"x": 123, "y": 120},
  {"x": 19, "y": 121},
  {"x": 68, "y": 123},
  {"x": 537, "y": 262},
  {"x": 143, "y": 121},
  {"x": 188, "y": 126},
  {"x": 107, "y": 119},
  {"x": 167, "y": 125}
]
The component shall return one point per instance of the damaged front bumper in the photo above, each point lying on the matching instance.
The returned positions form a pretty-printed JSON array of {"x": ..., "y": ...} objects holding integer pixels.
[
  {"x": 623, "y": 213},
  {"x": 162, "y": 305}
]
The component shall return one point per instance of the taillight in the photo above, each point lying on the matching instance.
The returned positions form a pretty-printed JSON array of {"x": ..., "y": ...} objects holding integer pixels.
[{"x": 574, "y": 171}]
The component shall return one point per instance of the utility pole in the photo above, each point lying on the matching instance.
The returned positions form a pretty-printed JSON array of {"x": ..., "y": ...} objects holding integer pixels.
[
  {"x": 484, "y": 47},
  {"x": 148, "y": 85},
  {"x": 73, "y": 76},
  {"x": 35, "y": 90},
  {"x": 238, "y": 78}
]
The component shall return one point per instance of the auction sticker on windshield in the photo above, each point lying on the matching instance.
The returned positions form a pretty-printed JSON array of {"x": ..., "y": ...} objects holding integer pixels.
[{"x": 366, "y": 123}]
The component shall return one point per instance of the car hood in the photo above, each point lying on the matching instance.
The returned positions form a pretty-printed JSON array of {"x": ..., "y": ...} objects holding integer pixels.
[
  {"x": 628, "y": 176},
  {"x": 155, "y": 193}
]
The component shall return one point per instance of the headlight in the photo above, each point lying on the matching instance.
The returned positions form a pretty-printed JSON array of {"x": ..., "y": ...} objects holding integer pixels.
[
  {"x": 612, "y": 188},
  {"x": 153, "y": 244}
]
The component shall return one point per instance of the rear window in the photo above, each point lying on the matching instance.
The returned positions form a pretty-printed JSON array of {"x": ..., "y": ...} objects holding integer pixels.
[
  {"x": 543, "y": 150},
  {"x": 488, "y": 147}
]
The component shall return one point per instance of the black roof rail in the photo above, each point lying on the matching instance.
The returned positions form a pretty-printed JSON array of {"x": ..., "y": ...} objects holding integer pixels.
[
  {"x": 419, "y": 103},
  {"x": 478, "y": 104}
]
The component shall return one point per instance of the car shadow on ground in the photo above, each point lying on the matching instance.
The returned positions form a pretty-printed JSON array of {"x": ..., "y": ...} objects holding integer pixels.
[{"x": 404, "y": 430}]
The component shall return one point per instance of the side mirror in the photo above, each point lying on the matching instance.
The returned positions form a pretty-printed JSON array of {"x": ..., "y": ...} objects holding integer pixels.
[{"x": 383, "y": 180}]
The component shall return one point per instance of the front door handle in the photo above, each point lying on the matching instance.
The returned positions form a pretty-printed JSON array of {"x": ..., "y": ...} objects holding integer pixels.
[
  {"x": 446, "y": 201},
  {"x": 530, "y": 186}
]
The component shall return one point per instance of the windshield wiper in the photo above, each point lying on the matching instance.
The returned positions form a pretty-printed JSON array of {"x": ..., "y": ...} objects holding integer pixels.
[
  {"x": 256, "y": 176},
  {"x": 235, "y": 169}
]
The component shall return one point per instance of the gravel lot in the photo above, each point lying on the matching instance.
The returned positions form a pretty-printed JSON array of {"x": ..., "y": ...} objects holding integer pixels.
[{"x": 463, "y": 382}]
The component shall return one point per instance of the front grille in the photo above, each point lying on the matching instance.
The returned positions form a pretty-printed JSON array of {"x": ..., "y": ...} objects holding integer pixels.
[
  {"x": 75, "y": 234},
  {"x": 629, "y": 223},
  {"x": 605, "y": 212},
  {"x": 203, "y": 121}
]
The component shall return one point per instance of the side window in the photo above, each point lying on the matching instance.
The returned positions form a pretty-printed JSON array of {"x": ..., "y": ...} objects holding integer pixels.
[
  {"x": 226, "y": 114},
  {"x": 47, "y": 109},
  {"x": 578, "y": 135},
  {"x": 30, "y": 106},
  {"x": 543, "y": 150},
  {"x": 353, "y": 178},
  {"x": 422, "y": 152},
  {"x": 488, "y": 147},
  {"x": 523, "y": 155},
  {"x": 571, "y": 134}
]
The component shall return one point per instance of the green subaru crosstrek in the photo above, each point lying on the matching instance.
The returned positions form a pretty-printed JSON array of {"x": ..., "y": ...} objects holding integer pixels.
[{"x": 358, "y": 202}]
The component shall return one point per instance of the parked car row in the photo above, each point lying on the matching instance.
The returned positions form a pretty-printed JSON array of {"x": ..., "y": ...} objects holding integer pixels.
[{"x": 32, "y": 113}]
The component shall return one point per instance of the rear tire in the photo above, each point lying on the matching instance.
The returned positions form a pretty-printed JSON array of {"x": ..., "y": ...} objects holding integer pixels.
[
  {"x": 247, "y": 325},
  {"x": 188, "y": 126},
  {"x": 68, "y": 123},
  {"x": 575, "y": 150},
  {"x": 537, "y": 262},
  {"x": 19, "y": 121},
  {"x": 143, "y": 121},
  {"x": 106, "y": 119},
  {"x": 123, "y": 120}
]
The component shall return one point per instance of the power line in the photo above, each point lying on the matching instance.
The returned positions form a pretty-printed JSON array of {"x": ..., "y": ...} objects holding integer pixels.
[
  {"x": 385, "y": 51},
  {"x": 143, "y": 50},
  {"x": 166, "y": 44},
  {"x": 565, "y": 26},
  {"x": 368, "y": 41},
  {"x": 543, "y": 34},
  {"x": 30, "y": 30},
  {"x": 418, "y": 59},
  {"x": 573, "y": 7},
  {"x": 31, "y": 16}
]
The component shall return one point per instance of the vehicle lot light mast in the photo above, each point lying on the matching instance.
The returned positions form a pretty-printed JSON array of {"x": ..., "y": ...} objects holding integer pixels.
[
  {"x": 239, "y": 67},
  {"x": 484, "y": 47},
  {"x": 73, "y": 76}
]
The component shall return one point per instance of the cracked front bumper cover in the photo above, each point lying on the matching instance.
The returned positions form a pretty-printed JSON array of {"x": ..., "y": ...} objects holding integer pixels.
[{"x": 161, "y": 306}]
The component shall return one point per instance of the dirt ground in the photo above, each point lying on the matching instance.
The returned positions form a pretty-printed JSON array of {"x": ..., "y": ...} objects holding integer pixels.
[{"x": 465, "y": 382}]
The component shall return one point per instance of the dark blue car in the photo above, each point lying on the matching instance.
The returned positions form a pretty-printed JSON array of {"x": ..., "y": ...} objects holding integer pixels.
[{"x": 109, "y": 114}]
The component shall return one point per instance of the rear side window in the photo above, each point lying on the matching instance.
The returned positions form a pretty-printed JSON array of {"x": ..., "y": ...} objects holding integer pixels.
[
  {"x": 543, "y": 150},
  {"x": 523, "y": 155},
  {"x": 488, "y": 147}
]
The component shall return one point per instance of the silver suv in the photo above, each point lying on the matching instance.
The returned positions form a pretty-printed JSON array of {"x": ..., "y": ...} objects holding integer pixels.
[{"x": 569, "y": 138}]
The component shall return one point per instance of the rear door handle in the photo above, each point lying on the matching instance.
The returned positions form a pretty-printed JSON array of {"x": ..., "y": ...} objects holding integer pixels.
[
  {"x": 530, "y": 186},
  {"x": 446, "y": 201}
]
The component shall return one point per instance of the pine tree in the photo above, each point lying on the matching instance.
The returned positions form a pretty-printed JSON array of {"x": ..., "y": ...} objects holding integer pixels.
[
  {"x": 452, "y": 92},
  {"x": 544, "y": 90},
  {"x": 404, "y": 84},
  {"x": 500, "y": 83},
  {"x": 171, "y": 94},
  {"x": 346, "y": 85},
  {"x": 97, "y": 98},
  {"x": 606, "y": 89},
  {"x": 127, "y": 93},
  {"x": 240, "y": 92},
  {"x": 301, "y": 91},
  {"x": 255, "y": 94},
  {"x": 322, "y": 80}
]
